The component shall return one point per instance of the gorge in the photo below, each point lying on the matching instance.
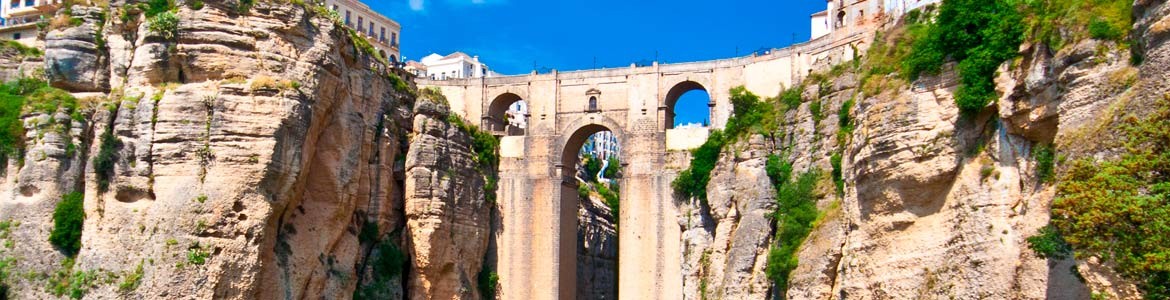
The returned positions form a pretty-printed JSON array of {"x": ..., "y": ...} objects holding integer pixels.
[{"x": 231, "y": 149}]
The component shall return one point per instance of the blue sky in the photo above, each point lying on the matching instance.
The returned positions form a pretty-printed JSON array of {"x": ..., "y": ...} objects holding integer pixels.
[{"x": 513, "y": 35}]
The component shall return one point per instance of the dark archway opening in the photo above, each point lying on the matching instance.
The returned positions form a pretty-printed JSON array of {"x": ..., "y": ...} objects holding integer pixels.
[
  {"x": 590, "y": 201},
  {"x": 507, "y": 116},
  {"x": 688, "y": 104}
]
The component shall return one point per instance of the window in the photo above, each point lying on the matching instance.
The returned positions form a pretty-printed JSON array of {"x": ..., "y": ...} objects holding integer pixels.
[
  {"x": 335, "y": 8},
  {"x": 382, "y": 37},
  {"x": 30, "y": 3},
  {"x": 371, "y": 28},
  {"x": 394, "y": 38},
  {"x": 361, "y": 24},
  {"x": 347, "y": 18},
  {"x": 593, "y": 103},
  {"x": 16, "y": 36}
]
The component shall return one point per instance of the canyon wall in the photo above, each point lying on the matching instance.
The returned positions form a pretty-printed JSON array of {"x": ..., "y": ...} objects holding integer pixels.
[
  {"x": 257, "y": 153},
  {"x": 935, "y": 204}
]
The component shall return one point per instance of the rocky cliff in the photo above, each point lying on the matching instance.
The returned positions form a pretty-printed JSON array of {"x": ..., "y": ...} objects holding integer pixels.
[
  {"x": 246, "y": 151},
  {"x": 934, "y": 203}
]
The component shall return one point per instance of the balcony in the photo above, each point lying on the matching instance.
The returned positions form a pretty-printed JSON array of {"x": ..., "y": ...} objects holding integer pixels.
[{"x": 20, "y": 22}]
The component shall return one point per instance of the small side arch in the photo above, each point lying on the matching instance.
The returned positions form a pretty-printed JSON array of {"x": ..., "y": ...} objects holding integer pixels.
[
  {"x": 498, "y": 119},
  {"x": 676, "y": 92}
]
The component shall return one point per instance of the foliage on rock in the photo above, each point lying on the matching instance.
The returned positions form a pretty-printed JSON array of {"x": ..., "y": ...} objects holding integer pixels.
[
  {"x": 26, "y": 95},
  {"x": 1117, "y": 209},
  {"x": 795, "y": 215},
  {"x": 68, "y": 218},
  {"x": 977, "y": 34},
  {"x": 750, "y": 114}
]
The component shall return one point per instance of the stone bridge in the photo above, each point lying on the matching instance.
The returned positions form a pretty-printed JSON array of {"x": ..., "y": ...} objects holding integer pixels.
[{"x": 537, "y": 256}]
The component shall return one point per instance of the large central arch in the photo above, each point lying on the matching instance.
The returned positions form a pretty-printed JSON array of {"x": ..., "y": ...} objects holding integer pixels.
[{"x": 569, "y": 145}]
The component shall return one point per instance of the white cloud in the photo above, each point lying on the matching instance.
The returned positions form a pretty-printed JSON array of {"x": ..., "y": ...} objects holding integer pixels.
[{"x": 416, "y": 5}]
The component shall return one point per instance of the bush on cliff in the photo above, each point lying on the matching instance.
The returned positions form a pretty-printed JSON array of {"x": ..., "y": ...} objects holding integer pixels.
[
  {"x": 1119, "y": 209},
  {"x": 749, "y": 114},
  {"x": 977, "y": 34},
  {"x": 796, "y": 212},
  {"x": 68, "y": 218},
  {"x": 28, "y": 95}
]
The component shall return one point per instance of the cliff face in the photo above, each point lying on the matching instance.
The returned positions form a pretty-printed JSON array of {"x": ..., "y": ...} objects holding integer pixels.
[
  {"x": 447, "y": 212},
  {"x": 257, "y": 153},
  {"x": 935, "y": 204}
]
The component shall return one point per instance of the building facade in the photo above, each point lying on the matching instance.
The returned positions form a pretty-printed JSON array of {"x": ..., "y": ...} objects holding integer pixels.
[
  {"x": 603, "y": 145},
  {"x": 456, "y": 65},
  {"x": 382, "y": 32},
  {"x": 19, "y": 18},
  {"x": 844, "y": 18}
]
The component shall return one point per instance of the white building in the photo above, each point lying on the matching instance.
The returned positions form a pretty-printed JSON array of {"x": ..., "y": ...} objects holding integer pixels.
[
  {"x": 602, "y": 145},
  {"x": 382, "y": 32},
  {"x": 842, "y": 18},
  {"x": 455, "y": 65},
  {"x": 517, "y": 115},
  {"x": 820, "y": 25},
  {"x": 18, "y": 18}
]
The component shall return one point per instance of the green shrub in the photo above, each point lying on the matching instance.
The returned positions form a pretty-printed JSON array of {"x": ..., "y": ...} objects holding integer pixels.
[
  {"x": 1049, "y": 244},
  {"x": 153, "y": 8},
  {"x": 103, "y": 163},
  {"x": 487, "y": 281},
  {"x": 844, "y": 123},
  {"x": 612, "y": 200},
  {"x": 791, "y": 98},
  {"x": 1102, "y": 30},
  {"x": 795, "y": 215},
  {"x": 838, "y": 178},
  {"x": 583, "y": 191},
  {"x": 814, "y": 108},
  {"x": 692, "y": 182},
  {"x": 979, "y": 35},
  {"x": 369, "y": 233},
  {"x": 390, "y": 261},
  {"x": 1045, "y": 157},
  {"x": 243, "y": 6},
  {"x": 1059, "y": 23},
  {"x": 614, "y": 170},
  {"x": 195, "y": 4},
  {"x": 165, "y": 24},
  {"x": 131, "y": 281},
  {"x": 22, "y": 49},
  {"x": 196, "y": 255},
  {"x": 67, "y": 282},
  {"x": 1117, "y": 209},
  {"x": 68, "y": 218},
  {"x": 6, "y": 263},
  {"x": 24, "y": 95},
  {"x": 592, "y": 167},
  {"x": 387, "y": 262}
]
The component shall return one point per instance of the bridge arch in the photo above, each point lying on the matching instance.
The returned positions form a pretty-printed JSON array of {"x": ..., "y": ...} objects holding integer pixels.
[
  {"x": 565, "y": 156},
  {"x": 677, "y": 91},
  {"x": 575, "y": 136},
  {"x": 497, "y": 119}
]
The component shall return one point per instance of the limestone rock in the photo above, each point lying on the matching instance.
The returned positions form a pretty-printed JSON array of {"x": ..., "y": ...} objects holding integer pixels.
[
  {"x": 447, "y": 213},
  {"x": 76, "y": 57}
]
